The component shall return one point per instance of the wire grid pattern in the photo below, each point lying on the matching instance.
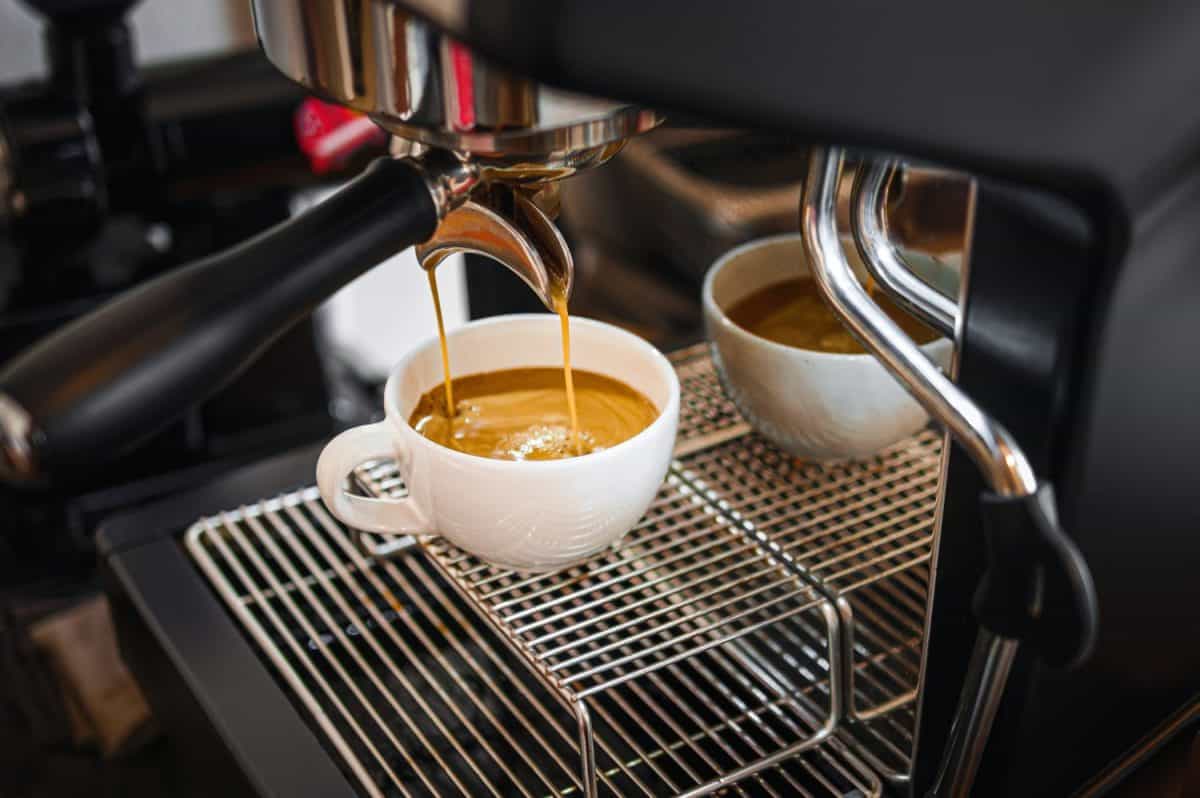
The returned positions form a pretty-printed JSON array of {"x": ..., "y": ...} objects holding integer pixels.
[
  {"x": 847, "y": 524},
  {"x": 860, "y": 530},
  {"x": 683, "y": 580},
  {"x": 884, "y": 634},
  {"x": 706, "y": 415},
  {"x": 418, "y": 696},
  {"x": 863, "y": 531}
]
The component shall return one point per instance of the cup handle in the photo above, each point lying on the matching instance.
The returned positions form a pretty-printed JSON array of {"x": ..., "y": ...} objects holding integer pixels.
[{"x": 338, "y": 460}]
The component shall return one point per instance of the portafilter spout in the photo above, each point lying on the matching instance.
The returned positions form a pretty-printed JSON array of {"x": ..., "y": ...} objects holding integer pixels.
[{"x": 513, "y": 226}]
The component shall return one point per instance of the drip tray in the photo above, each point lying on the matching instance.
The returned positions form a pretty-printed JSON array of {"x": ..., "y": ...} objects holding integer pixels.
[
  {"x": 418, "y": 695},
  {"x": 757, "y": 634}
]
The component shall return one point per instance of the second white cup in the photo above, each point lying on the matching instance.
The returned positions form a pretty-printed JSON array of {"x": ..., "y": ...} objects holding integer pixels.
[{"x": 817, "y": 405}]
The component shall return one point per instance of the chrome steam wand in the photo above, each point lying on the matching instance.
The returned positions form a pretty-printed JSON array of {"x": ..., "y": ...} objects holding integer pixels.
[{"x": 1036, "y": 588}]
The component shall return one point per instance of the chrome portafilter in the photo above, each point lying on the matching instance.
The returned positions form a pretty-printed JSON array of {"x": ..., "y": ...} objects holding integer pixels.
[{"x": 441, "y": 99}]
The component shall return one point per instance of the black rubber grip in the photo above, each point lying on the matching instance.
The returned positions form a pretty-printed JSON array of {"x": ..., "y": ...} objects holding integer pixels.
[
  {"x": 113, "y": 377},
  {"x": 1037, "y": 587}
]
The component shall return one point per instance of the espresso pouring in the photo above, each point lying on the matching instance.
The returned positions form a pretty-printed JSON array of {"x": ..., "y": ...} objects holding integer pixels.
[{"x": 529, "y": 413}]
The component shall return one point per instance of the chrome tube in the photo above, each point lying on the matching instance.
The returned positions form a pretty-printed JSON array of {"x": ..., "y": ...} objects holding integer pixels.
[
  {"x": 1004, "y": 465},
  {"x": 882, "y": 258},
  {"x": 987, "y": 674}
]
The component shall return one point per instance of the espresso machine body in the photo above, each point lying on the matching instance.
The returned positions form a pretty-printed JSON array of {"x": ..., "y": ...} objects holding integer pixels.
[
  {"x": 1075, "y": 123},
  {"x": 1078, "y": 314}
]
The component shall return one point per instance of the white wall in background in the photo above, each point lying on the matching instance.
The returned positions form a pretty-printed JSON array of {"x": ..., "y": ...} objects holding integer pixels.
[
  {"x": 379, "y": 317},
  {"x": 372, "y": 322},
  {"x": 20, "y": 43},
  {"x": 164, "y": 29}
]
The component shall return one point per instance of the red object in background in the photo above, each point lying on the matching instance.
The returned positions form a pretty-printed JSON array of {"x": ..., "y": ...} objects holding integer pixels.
[
  {"x": 329, "y": 134},
  {"x": 464, "y": 87}
]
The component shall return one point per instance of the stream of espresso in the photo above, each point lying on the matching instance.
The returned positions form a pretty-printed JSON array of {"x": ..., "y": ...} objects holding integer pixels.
[
  {"x": 560, "y": 307},
  {"x": 441, "y": 325}
]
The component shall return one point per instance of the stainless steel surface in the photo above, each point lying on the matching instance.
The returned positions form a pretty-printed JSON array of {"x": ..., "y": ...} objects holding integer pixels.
[
  {"x": 512, "y": 229},
  {"x": 450, "y": 179},
  {"x": 418, "y": 696},
  {"x": 16, "y": 442},
  {"x": 419, "y": 83},
  {"x": 685, "y": 580},
  {"x": 699, "y": 655},
  {"x": 994, "y": 451},
  {"x": 881, "y": 256},
  {"x": 845, "y": 527},
  {"x": 518, "y": 168},
  {"x": 862, "y": 532},
  {"x": 987, "y": 674},
  {"x": 706, "y": 416},
  {"x": 681, "y": 589},
  {"x": 1004, "y": 466}
]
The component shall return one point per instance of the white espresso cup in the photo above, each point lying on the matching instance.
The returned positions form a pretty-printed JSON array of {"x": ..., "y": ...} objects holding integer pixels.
[
  {"x": 524, "y": 515},
  {"x": 816, "y": 405}
]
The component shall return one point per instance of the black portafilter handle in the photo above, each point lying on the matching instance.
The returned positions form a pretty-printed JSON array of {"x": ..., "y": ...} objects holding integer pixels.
[{"x": 106, "y": 381}]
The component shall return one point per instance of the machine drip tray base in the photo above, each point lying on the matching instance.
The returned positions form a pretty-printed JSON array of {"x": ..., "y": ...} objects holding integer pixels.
[{"x": 706, "y": 652}]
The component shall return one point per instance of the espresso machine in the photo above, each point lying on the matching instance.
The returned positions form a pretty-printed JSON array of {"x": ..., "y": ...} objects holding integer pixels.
[{"x": 1050, "y": 576}]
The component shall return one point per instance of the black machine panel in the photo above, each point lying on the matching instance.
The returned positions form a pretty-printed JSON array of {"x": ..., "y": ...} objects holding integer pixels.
[{"x": 1097, "y": 95}]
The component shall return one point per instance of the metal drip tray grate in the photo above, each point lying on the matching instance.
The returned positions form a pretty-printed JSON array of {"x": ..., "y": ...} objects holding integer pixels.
[
  {"x": 418, "y": 695},
  {"x": 706, "y": 416},
  {"x": 759, "y": 605},
  {"x": 862, "y": 531},
  {"x": 668, "y": 644},
  {"x": 683, "y": 581},
  {"x": 847, "y": 524}
]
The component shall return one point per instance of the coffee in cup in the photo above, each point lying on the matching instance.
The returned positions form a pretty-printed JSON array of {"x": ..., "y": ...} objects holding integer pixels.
[
  {"x": 815, "y": 394},
  {"x": 793, "y": 312},
  {"x": 558, "y": 291},
  {"x": 523, "y": 414}
]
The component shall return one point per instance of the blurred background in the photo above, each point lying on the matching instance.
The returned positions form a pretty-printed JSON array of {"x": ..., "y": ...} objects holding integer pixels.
[{"x": 165, "y": 29}]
